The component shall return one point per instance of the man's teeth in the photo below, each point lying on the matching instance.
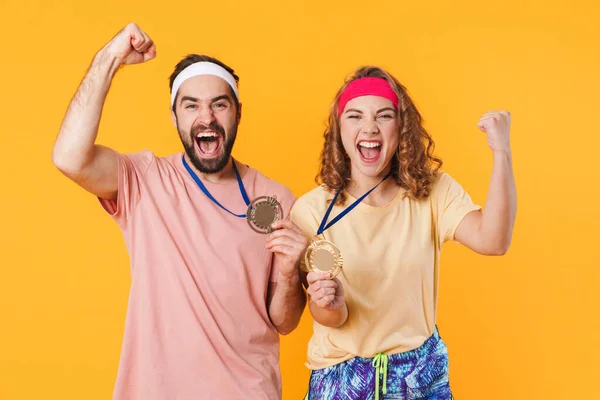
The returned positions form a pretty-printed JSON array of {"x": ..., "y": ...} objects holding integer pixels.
[
  {"x": 369, "y": 145},
  {"x": 207, "y": 134}
]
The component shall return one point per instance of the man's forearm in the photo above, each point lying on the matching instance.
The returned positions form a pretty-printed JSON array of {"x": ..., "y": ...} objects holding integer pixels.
[
  {"x": 287, "y": 304},
  {"x": 74, "y": 146}
]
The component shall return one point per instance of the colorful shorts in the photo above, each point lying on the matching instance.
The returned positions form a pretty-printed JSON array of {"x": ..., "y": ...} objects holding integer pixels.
[{"x": 420, "y": 374}]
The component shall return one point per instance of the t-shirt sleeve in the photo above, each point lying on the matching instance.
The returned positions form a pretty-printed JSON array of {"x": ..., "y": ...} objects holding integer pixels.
[
  {"x": 303, "y": 216},
  {"x": 453, "y": 204},
  {"x": 131, "y": 170},
  {"x": 287, "y": 201}
]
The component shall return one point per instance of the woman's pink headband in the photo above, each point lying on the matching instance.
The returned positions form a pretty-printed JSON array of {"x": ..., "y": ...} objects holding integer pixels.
[{"x": 369, "y": 86}]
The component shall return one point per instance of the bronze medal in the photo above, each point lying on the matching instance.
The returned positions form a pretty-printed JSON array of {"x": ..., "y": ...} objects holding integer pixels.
[
  {"x": 323, "y": 256},
  {"x": 263, "y": 212}
]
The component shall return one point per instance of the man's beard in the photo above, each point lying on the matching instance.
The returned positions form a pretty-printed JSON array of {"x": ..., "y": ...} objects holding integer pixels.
[{"x": 215, "y": 164}]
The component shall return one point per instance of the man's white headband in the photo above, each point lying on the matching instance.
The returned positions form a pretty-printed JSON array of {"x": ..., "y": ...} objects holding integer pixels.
[{"x": 202, "y": 68}]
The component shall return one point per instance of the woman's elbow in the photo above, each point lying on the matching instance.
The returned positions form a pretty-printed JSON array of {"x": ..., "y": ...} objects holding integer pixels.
[{"x": 498, "y": 247}]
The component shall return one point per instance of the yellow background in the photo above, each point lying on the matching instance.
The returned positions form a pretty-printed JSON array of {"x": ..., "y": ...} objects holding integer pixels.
[{"x": 524, "y": 326}]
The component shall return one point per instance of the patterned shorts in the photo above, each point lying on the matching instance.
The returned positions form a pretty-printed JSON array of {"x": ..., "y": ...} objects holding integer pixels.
[{"x": 420, "y": 374}]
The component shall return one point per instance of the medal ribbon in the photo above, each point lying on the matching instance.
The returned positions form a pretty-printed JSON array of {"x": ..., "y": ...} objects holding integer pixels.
[
  {"x": 210, "y": 196},
  {"x": 324, "y": 227}
]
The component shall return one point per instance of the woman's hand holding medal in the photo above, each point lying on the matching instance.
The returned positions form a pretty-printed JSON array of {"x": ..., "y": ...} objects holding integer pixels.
[{"x": 324, "y": 291}]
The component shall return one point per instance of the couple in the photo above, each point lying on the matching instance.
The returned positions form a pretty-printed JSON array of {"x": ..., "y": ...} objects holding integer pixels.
[{"x": 209, "y": 295}]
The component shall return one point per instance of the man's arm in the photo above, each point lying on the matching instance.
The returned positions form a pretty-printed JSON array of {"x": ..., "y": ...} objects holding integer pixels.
[
  {"x": 75, "y": 151},
  {"x": 286, "y": 298}
]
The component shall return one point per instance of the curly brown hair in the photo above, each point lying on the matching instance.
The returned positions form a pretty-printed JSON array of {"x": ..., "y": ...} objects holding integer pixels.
[{"x": 414, "y": 167}]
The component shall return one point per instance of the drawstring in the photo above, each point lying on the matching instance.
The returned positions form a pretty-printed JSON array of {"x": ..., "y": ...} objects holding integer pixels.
[{"x": 380, "y": 362}]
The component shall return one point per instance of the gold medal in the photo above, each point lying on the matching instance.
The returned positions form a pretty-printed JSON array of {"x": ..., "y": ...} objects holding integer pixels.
[
  {"x": 263, "y": 212},
  {"x": 323, "y": 256}
]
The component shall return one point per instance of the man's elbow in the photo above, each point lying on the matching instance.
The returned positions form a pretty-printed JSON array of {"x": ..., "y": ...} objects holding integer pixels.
[
  {"x": 289, "y": 324},
  {"x": 65, "y": 163},
  {"x": 59, "y": 159},
  {"x": 284, "y": 331},
  {"x": 71, "y": 164}
]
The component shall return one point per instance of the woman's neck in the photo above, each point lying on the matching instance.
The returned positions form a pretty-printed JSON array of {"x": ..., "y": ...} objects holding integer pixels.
[{"x": 381, "y": 196}]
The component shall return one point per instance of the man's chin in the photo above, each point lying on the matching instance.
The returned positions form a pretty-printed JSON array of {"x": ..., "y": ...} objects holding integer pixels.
[{"x": 210, "y": 165}]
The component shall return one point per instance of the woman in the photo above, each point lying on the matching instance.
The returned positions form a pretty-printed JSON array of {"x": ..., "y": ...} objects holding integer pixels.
[{"x": 390, "y": 211}]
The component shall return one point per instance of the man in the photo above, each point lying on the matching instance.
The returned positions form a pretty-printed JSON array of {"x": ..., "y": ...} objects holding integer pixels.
[{"x": 208, "y": 294}]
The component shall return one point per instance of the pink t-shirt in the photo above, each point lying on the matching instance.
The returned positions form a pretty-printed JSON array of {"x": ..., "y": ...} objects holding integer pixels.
[{"x": 197, "y": 324}]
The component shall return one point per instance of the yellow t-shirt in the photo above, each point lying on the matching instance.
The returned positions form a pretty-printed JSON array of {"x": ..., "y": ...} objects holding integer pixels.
[{"x": 391, "y": 268}]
